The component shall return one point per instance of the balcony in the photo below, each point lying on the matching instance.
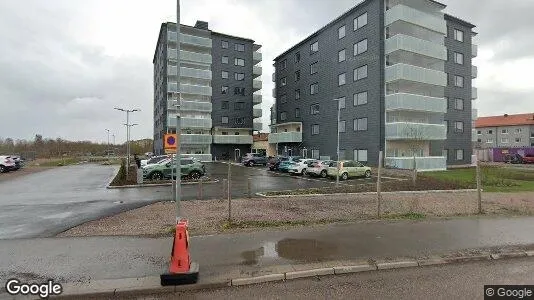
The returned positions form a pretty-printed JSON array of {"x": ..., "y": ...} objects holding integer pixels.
[
  {"x": 273, "y": 77},
  {"x": 256, "y": 71},
  {"x": 256, "y": 85},
  {"x": 409, "y": 102},
  {"x": 474, "y": 93},
  {"x": 256, "y": 99},
  {"x": 232, "y": 139},
  {"x": 196, "y": 106},
  {"x": 431, "y": 163},
  {"x": 190, "y": 39},
  {"x": 416, "y": 74},
  {"x": 416, "y": 17},
  {"x": 415, "y": 45},
  {"x": 189, "y": 56},
  {"x": 195, "y": 89},
  {"x": 285, "y": 137},
  {"x": 190, "y": 122},
  {"x": 189, "y": 72},
  {"x": 198, "y": 139},
  {"x": 258, "y": 126},
  {"x": 415, "y": 131},
  {"x": 274, "y": 93},
  {"x": 474, "y": 114},
  {"x": 474, "y": 135},
  {"x": 256, "y": 57},
  {"x": 474, "y": 50},
  {"x": 257, "y": 112},
  {"x": 474, "y": 71}
]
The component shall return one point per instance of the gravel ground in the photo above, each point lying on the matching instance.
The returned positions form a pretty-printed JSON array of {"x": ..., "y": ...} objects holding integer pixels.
[{"x": 207, "y": 217}]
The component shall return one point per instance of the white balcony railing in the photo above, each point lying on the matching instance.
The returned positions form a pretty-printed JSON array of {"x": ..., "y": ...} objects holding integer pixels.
[
  {"x": 189, "y": 56},
  {"x": 199, "y": 139},
  {"x": 190, "y": 39},
  {"x": 415, "y": 131},
  {"x": 416, "y": 17},
  {"x": 196, "y": 106},
  {"x": 474, "y": 50},
  {"x": 256, "y": 85},
  {"x": 256, "y": 99},
  {"x": 415, "y": 45},
  {"x": 189, "y": 72},
  {"x": 257, "y": 112},
  {"x": 474, "y": 93},
  {"x": 474, "y": 114},
  {"x": 256, "y": 71},
  {"x": 256, "y": 57},
  {"x": 474, "y": 71},
  {"x": 258, "y": 126},
  {"x": 190, "y": 89},
  {"x": 432, "y": 163},
  {"x": 474, "y": 135},
  {"x": 190, "y": 122},
  {"x": 416, "y": 74},
  {"x": 232, "y": 139},
  {"x": 410, "y": 102},
  {"x": 274, "y": 92},
  {"x": 273, "y": 77},
  {"x": 285, "y": 137}
]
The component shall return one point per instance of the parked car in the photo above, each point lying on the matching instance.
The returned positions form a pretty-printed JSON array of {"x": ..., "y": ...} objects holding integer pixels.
[
  {"x": 274, "y": 162},
  {"x": 166, "y": 169},
  {"x": 6, "y": 164},
  {"x": 286, "y": 164},
  {"x": 153, "y": 160},
  {"x": 251, "y": 159},
  {"x": 300, "y": 166},
  {"x": 513, "y": 159},
  {"x": 349, "y": 168},
  {"x": 319, "y": 168},
  {"x": 528, "y": 159},
  {"x": 19, "y": 162}
]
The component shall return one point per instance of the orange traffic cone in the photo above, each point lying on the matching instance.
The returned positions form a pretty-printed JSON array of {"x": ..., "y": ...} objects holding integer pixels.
[{"x": 181, "y": 269}]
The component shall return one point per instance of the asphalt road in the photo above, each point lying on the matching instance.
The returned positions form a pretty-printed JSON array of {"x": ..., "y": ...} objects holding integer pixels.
[
  {"x": 221, "y": 256},
  {"x": 48, "y": 202}
]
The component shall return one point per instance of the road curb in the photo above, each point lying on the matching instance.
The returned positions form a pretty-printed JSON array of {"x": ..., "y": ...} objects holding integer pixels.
[
  {"x": 397, "y": 265},
  {"x": 370, "y": 193},
  {"x": 431, "y": 262},
  {"x": 309, "y": 273},
  {"x": 516, "y": 254},
  {"x": 530, "y": 253},
  {"x": 159, "y": 184},
  {"x": 461, "y": 259},
  {"x": 353, "y": 269},
  {"x": 258, "y": 279}
]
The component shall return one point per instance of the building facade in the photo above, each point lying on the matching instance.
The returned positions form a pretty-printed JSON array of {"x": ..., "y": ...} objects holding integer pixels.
[
  {"x": 219, "y": 95},
  {"x": 388, "y": 65},
  {"x": 506, "y": 131}
]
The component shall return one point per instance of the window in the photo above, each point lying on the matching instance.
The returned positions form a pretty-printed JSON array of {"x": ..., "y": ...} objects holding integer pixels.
[
  {"x": 314, "y": 109},
  {"x": 283, "y": 81},
  {"x": 239, "y": 105},
  {"x": 224, "y": 133},
  {"x": 341, "y": 55},
  {"x": 283, "y": 64},
  {"x": 314, "y": 47},
  {"x": 458, "y": 58},
  {"x": 518, "y": 130},
  {"x": 446, "y": 123},
  {"x": 360, "y": 124},
  {"x": 504, "y": 131},
  {"x": 315, "y": 154},
  {"x": 341, "y": 102},
  {"x": 239, "y": 62},
  {"x": 297, "y": 112},
  {"x": 224, "y": 59},
  {"x": 458, "y": 81},
  {"x": 479, "y": 140},
  {"x": 490, "y": 131},
  {"x": 479, "y": 132},
  {"x": 360, "y": 73},
  {"x": 459, "y": 154},
  {"x": 459, "y": 126},
  {"x": 239, "y": 76},
  {"x": 360, "y": 155},
  {"x": 314, "y": 88},
  {"x": 458, "y": 35},
  {"x": 489, "y": 141},
  {"x": 283, "y": 99},
  {"x": 239, "y": 47},
  {"x": 313, "y": 68},
  {"x": 224, "y": 105},
  {"x": 360, "y": 21},
  {"x": 239, "y": 91},
  {"x": 504, "y": 140},
  {"x": 224, "y": 75},
  {"x": 315, "y": 129},
  {"x": 240, "y": 120},
  {"x": 341, "y": 126},
  {"x": 224, "y": 90},
  {"x": 518, "y": 140},
  {"x": 341, "y": 32},
  {"x": 360, "y": 98},
  {"x": 224, "y": 44},
  {"x": 459, "y": 104},
  {"x": 297, "y": 94},
  {"x": 283, "y": 116},
  {"x": 297, "y": 75},
  {"x": 224, "y": 120},
  {"x": 341, "y": 79},
  {"x": 360, "y": 47},
  {"x": 297, "y": 57}
]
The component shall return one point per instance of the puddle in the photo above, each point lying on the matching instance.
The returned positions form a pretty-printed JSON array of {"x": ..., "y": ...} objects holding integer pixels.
[{"x": 294, "y": 250}]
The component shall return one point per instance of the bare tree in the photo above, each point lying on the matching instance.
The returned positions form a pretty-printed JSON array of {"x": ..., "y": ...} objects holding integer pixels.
[{"x": 416, "y": 139}]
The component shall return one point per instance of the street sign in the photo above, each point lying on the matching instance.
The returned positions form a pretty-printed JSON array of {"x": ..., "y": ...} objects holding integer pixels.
[{"x": 169, "y": 142}]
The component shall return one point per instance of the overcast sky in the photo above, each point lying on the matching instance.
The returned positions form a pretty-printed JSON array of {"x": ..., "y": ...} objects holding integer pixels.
[{"x": 64, "y": 64}]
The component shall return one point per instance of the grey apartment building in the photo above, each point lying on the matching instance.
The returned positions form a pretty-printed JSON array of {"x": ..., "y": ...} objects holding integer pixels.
[
  {"x": 400, "y": 72},
  {"x": 505, "y": 131},
  {"x": 220, "y": 84}
]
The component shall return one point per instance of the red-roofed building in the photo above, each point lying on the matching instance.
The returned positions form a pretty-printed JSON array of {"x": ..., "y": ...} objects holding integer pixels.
[
  {"x": 505, "y": 131},
  {"x": 261, "y": 144}
]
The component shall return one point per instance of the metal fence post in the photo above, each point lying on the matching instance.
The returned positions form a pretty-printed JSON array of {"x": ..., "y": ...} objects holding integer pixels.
[
  {"x": 228, "y": 190},
  {"x": 479, "y": 187},
  {"x": 379, "y": 185}
]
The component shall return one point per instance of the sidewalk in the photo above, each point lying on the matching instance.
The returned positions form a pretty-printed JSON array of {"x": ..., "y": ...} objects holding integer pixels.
[{"x": 80, "y": 261}]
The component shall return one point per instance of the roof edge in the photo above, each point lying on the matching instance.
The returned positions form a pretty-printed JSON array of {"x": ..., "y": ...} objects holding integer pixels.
[{"x": 463, "y": 22}]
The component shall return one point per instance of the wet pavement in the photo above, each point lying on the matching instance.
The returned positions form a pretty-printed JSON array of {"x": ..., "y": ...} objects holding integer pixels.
[
  {"x": 96, "y": 258},
  {"x": 48, "y": 202}
]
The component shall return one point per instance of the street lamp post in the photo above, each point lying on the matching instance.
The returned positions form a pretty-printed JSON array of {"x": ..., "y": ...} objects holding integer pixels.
[
  {"x": 178, "y": 182},
  {"x": 127, "y": 111},
  {"x": 337, "y": 146},
  {"x": 107, "y": 152}
]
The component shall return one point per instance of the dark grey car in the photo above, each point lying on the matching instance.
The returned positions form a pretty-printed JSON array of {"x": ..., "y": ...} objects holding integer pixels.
[{"x": 251, "y": 159}]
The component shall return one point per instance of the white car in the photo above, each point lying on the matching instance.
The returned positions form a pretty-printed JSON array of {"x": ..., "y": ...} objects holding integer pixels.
[
  {"x": 300, "y": 166},
  {"x": 6, "y": 164},
  {"x": 319, "y": 168},
  {"x": 153, "y": 160}
]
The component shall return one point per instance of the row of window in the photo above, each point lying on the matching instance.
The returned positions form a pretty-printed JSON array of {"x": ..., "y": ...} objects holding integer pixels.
[
  {"x": 357, "y": 125},
  {"x": 503, "y": 131},
  {"x": 237, "y": 47},
  {"x": 458, "y": 103},
  {"x": 237, "y": 90},
  {"x": 237, "y": 105},
  {"x": 359, "y": 154},
  {"x": 237, "y": 76},
  {"x": 358, "y": 74},
  {"x": 237, "y": 61},
  {"x": 504, "y": 140},
  {"x": 458, "y": 34},
  {"x": 238, "y": 120},
  {"x": 459, "y": 154},
  {"x": 357, "y": 99},
  {"x": 358, "y": 23}
]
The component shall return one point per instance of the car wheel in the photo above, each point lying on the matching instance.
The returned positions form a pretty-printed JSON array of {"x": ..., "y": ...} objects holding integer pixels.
[
  {"x": 367, "y": 174},
  {"x": 195, "y": 175},
  {"x": 156, "y": 176},
  {"x": 304, "y": 171},
  {"x": 251, "y": 164},
  {"x": 2, "y": 169},
  {"x": 324, "y": 173},
  {"x": 344, "y": 176}
]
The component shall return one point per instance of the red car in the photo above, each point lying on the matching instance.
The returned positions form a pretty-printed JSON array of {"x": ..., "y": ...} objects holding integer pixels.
[{"x": 528, "y": 159}]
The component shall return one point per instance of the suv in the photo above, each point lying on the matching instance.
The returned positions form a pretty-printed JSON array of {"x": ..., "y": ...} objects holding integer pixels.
[
  {"x": 349, "y": 168},
  {"x": 153, "y": 160},
  {"x": 300, "y": 166},
  {"x": 166, "y": 169},
  {"x": 251, "y": 159},
  {"x": 274, "y": 162},
  {"x": 319, "y": 168},
  {"x": 6, "y": 164}
]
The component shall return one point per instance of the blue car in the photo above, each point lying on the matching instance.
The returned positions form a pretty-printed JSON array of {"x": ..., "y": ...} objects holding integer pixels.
[{"x": 286, "y": 164}]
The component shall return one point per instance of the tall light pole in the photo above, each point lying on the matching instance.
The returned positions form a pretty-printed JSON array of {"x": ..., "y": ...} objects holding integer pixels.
[
  {"x": 107, "y": 152},
  {"x": 127, "y": 111},
  {"x": 337, "y": 146},
  {"x": 113, "y": 139},
  {"x": 178, "y": 189}
]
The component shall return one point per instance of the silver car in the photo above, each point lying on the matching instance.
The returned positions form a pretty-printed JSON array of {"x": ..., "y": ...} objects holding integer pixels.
[{"x": 319, "y": 168}]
